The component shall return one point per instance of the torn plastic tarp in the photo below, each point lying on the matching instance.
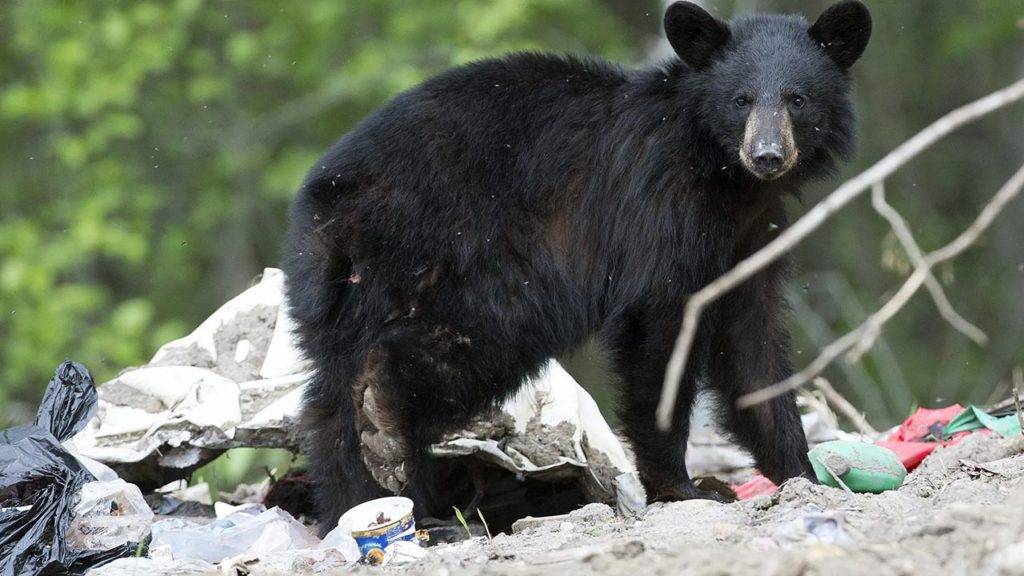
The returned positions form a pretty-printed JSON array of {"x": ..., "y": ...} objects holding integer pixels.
[
  {"x": 237, "y": 381},
  {"x": 927, "y": 429},
  {"x": 917, "y": 437},
  {"x": 756, "y": 486},
  {"x": 40, "y": 483},
  {"x": 924, "y": 424},
  {"x": 973, "y": 418},
  {"x": 552, "y": 428}
]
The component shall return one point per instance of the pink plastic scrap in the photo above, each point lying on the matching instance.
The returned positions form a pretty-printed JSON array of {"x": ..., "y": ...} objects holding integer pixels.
[
  {"x": 756, "y": 486},
  {"x": 923, "y": 423}
]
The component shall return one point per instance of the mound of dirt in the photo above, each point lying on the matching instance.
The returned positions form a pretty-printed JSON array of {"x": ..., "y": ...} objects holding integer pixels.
[{"x": 961, "y": 512}]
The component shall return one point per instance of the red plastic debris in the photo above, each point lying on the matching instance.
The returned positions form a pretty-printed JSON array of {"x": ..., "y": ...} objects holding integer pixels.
[
  {"x": 920, "y": 423},
  {"x": 907, "y": 441},
  {"x": 910, "y": 453},
  {"x": 756, "y": 486}
]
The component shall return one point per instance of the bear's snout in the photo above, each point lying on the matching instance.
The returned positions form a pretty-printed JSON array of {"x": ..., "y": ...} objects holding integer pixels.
[{"x": 769, "y": 149}]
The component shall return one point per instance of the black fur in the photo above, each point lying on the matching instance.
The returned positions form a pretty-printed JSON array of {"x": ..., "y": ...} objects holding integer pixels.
[{"x": 496, "y": 215}]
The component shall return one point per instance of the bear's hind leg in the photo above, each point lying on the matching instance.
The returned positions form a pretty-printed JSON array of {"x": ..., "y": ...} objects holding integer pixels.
[
  {"x": 333, "y": 448},
  {"x": 421, "y": 381}
]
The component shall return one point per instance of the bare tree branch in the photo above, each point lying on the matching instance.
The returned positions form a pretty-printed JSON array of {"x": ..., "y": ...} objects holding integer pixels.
[
  {"x": 808, "y": 224},
  {"x": 906, "y": 238},
  {"x": 844, "y": 407},
  {"x": 1018, "y": 382},
  {"x": 867, "y": 331}
]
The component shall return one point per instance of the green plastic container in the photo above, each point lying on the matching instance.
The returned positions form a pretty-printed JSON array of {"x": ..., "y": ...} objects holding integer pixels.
[{"x": 860, "y": 466}]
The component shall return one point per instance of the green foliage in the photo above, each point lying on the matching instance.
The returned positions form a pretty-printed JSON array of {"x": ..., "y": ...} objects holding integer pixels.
[
  {"x": 462, "y": 520},
  {"x": 150, "y": 148},
  {"x": 487, "y": 528},
  {"x": 250, "y": 465}
]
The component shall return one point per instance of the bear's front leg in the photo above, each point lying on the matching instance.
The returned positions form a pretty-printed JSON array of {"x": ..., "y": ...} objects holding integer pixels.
[
  {"x": 750, "y": 350},
  {"x": 641, "y": 342}
]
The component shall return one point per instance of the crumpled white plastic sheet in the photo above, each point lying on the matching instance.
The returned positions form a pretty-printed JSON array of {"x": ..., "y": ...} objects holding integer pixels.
[
  {"x": 234, "y": 381},
  {"x": 241, "y": 538},
  {"x": 249, "y": 531},
  {"x": 552, "y": 406},
  {"x": 237, "y": 381}
]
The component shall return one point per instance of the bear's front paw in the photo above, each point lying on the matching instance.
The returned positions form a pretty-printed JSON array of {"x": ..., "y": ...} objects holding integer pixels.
[{"x": 685, "y": 491}]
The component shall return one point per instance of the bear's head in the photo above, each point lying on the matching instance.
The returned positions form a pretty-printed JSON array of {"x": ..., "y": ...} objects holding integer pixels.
[{"x": 773, "y": 91}]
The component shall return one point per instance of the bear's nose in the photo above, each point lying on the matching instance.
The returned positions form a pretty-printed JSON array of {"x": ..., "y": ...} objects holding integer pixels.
[{"x": 768, "y": 158}]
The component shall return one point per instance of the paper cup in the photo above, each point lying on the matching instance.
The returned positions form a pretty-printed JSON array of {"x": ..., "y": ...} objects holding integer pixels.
[{"x": 378, "y": 523}]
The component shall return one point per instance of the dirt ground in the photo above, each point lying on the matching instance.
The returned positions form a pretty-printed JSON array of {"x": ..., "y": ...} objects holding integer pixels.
[{"x": 960, "y": 512}]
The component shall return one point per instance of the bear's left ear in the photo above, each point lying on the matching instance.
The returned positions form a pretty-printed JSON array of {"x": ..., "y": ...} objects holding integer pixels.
[
  {"x": 843, "y": 32},
  {"x": 695, "y": 35}
]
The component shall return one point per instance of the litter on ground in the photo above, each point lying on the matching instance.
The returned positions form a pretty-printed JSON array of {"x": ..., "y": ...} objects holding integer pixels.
[{"x": 97, "y": 484}]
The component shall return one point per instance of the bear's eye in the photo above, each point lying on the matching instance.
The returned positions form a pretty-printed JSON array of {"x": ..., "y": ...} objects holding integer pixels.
[
  {"x": 798, "y": 101},
  {"x": 741, "y": 101}
]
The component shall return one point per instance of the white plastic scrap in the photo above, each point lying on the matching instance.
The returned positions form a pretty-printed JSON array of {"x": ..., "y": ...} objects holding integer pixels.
[
  {"x": 404, "y": 552},
  {"x": 551, "y": 400},
  {"x": 235, "y": 381},
  {"x": 108, "y": 515},
  {"x": 246, "y": 530},
  {"x": 828, "y": 527}
]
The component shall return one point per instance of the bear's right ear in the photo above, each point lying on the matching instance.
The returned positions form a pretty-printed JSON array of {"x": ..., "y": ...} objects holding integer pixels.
[{"x": 695, "y": 35}]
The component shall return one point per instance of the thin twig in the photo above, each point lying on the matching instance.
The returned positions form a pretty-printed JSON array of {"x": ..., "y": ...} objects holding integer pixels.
[
  {"x": 1018, "y": 383},
  {"x": 843, "y": 406},
  {"x": 906, "y": 238},
  {"x": 818, "y": 405},
  {"x": 808, "y": 224},
  {"x": 870, "y": 327}
]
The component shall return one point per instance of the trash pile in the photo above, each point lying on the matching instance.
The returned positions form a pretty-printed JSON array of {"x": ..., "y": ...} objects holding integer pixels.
[
  {"x": 97, "y": 483},
  {"x": 237, "y": 381},
  {"x": 857, "y": 465},
  {"x": 60, "y": 512}
]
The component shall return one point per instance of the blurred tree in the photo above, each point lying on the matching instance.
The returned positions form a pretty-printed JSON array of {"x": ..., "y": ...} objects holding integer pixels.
[{"x": 150, "y": 149}]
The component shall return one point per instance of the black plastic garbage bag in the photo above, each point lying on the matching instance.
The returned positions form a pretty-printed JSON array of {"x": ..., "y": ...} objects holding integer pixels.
[
  {"x": 69, "y": 402},
  {"x": 40, "y": 482}
]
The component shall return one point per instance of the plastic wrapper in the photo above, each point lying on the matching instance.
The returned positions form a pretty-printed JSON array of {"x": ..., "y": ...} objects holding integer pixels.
[
  {"x": 247, "y": 529},
  {"x": 109, "y": 514},
  {"x": 40, "y": 483}
]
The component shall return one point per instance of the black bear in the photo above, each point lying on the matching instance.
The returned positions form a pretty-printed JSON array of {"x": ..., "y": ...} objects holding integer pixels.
[{"x": 498, "y": 214}]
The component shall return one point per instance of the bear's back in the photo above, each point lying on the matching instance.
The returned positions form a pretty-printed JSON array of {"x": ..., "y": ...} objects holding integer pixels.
[
  {"x": 508, "y": 129},
  {"x": 482, "y": 111}
]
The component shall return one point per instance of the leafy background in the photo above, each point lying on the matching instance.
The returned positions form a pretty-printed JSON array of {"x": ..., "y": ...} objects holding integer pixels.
[{"x": 149, "y": 151}]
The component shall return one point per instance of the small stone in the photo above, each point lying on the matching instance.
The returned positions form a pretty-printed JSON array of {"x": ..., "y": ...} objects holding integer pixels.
[
  {"x": 630, "y": 549},
  {"x": 591, "y": 513},
  {"x": 763, "y": 502},
  {"x": 723, "y": 531}
]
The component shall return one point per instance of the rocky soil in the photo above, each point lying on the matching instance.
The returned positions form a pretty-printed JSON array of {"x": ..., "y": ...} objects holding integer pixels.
[{"x": 960, "y": 512}]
